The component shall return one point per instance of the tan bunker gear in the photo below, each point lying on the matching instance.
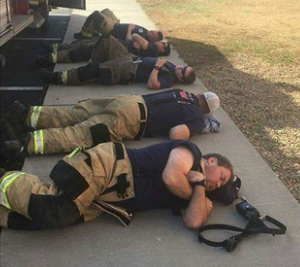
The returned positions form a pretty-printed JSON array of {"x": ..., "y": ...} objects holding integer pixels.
[
  {"x": 89, "y": 180},
  {"x": 90, "y": 122},
  {"x": 102, "y": 22},
  {"x": 110, "y": 63}
]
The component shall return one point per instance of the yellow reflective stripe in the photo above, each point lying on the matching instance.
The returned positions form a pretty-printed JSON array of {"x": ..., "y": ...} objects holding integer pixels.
[
  {"x": 36, "y": 112},
  {"x": 64, "y": 76},
  {"x": 54, "y": 48},
  {"x": 75, "y": 151},
  {"x": 38, "y": 141},
  {"x": 88, "y": 35},
  {"x": 53, "y": 57},
  {"x": 4, "y": 185}
]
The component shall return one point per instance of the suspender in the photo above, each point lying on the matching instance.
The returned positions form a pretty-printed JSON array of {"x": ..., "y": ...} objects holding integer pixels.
[
  {"x": 173, "y": 96},
  {"x": 121, "y": 186},
  {"x": 143, "y": 121}
]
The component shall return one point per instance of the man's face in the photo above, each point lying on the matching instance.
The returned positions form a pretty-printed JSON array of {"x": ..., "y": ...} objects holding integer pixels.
[
  {"x": 182, "y": 72},
  {"x": 153, "y": 36},
  {"x": 161, "y": 46},
  {"x": 216, "y": 176}
]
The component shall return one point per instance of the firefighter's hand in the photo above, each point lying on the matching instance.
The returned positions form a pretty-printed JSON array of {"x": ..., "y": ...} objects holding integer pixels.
[
  {"x": 160, "y": 62},
  {"x": 131, "y": 27},
  {"x": 195, "y": 176},
  {"x": 209, "y": 206}
]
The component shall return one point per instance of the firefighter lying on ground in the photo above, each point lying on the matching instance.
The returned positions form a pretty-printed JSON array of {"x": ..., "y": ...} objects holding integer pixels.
[
  {"x": 175, "y": 113},
  {"x": 110, "y": 63},
  {"x": 111, "y": 179},
  {"x": 81, "y": 50},
  {"x": 105, "y": 22}
]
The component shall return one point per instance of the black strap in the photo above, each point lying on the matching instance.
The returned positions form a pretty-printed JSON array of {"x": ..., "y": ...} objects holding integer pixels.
[
  {"x": 143, "y": 121},
  {"x": 231, "y": 243},
  {"x": 100, "y": 134},
  {"x": 173, "y": 96},
  {"x": 120, "y": 187},
  {"x": 122, "y": 184},
  {"x": 119, "y": 150}
]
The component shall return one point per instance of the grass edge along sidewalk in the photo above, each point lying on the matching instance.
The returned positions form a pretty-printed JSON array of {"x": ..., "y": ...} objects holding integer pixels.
[{"x": 247, "y": 54}]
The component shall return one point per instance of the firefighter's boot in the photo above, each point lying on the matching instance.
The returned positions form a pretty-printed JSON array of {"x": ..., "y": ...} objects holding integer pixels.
[{"x": 13, "y": 125}]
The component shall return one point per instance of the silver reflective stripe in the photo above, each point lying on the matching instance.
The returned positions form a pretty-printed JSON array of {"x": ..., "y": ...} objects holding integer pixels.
[
  {"x": 36, "y": 112},
  {"x": 4, "y": 185},
  {"x": 38, "y": 141}
]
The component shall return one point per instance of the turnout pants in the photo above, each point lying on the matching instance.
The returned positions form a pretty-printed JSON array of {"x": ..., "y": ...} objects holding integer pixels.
[
  {"x": 102, "y": 22},
  {"x": 77, "y": 51},
  {"x": 86, "y": 180},
  {"x": 90, "y": 122},
  {"x": 110, "y": 63}
]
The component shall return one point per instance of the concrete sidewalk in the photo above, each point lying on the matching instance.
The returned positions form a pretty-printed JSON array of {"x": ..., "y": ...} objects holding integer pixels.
[{"x": 157, "y": 238}]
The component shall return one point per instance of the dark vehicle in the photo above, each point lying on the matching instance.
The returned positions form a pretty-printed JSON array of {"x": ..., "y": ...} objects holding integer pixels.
[{"x": 16, "y": 15}]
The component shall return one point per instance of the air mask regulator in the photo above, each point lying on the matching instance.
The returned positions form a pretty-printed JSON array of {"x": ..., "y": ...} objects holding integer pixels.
[{"x": 255, "y": 225}]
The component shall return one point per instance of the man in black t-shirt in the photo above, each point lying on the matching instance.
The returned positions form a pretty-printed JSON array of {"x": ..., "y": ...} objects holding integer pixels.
[
  {"x": 176, "y": 114},
  {"x": 82, "y": 50},
  {"x": 95, "y": 22},
  {"x": 111, "y": 63},
  {"x": 112, "y": 179}
]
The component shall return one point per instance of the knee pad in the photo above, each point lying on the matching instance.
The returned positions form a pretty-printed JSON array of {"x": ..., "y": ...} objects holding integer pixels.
[
  {"x": 105, "y": 76},
  {"x": 53, "y": 211},
  {"x": 100, "y": 134},
  {"x": 88, "y": 72},
  {"x": 20, "y": 222},
  {"x": 82, "y": 54}
]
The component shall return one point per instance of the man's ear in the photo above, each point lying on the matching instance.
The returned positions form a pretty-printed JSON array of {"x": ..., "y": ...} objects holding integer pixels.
[{"x": 212, "y": 160}]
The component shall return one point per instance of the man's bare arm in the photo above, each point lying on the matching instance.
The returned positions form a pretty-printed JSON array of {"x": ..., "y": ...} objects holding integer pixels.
[
  {"x": 200, "y": 206},
  {"x": 140, "y": 40},
  {"x": 198, "y": 210},
  {"x": 153, "y": 82},
  {"x": 179, "y": 178},
  {"x": 175, "y": 173},
  {"x": 129, "y": 32},
  {"x": 179, "y": 132}
]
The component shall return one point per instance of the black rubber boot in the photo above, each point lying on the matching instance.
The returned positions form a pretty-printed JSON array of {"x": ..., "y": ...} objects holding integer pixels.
[
  {"x": 46, "y": 47},
  {"x": 15, "y": 150},
  {"x": 51, "y": 77},
  {"x": 13, "y": 124},
  {"x": 43, "y": 61},
  {"x": 2, "y": 172}
]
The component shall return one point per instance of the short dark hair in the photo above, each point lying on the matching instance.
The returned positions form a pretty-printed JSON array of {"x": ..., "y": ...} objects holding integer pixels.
[
  {"x": 222, "y": 162},
  {"x": 190, "y": 78},
  {"x": 160, "y": 35},
  {"x": 167, "y": 49}
]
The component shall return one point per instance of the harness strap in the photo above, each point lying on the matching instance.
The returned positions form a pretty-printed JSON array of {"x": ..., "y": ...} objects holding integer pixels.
[
  {"x": 169, "y": 97},
  {"x": 119, "y": 151},
  {"x": 122, "y": 184},
  {"x": 143, "y": 121},
  {"x": 120, "y": 187},
  {"x": 231, "y": 243}
]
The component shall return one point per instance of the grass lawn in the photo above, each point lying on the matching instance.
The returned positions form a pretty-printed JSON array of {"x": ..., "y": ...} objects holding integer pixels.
[{"x": 248, "y": 52}]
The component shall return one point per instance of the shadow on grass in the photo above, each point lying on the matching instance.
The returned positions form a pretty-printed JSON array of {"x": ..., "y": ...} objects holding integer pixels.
[{"x": 264, "y": 111}]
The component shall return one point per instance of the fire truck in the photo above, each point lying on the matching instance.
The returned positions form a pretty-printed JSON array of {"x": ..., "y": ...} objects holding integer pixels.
[{"x": 16, "y": 15}]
